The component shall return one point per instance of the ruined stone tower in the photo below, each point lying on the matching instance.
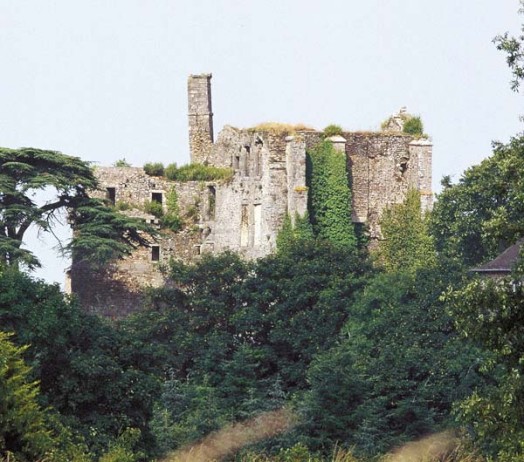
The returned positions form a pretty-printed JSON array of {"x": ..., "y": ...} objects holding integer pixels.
[
  {"x": 200, "y": 118},
  {"x": 244, "y": 212}
]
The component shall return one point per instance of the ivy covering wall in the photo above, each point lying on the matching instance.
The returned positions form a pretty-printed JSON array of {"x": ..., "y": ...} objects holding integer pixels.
[{"x": 330, "y": 195}]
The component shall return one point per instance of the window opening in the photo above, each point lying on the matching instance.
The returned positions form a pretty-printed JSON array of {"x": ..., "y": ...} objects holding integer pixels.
[
  {"x": 156, "y": 197},
  {"x": 111, "y": 195},
  {"x": 155, "y": 253},
  {"x": 212, "y": 200},
  {"x": 244, "y": 226}
]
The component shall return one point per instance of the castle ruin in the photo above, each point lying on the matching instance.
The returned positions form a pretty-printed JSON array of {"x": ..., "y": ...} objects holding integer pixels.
[{"x": 244, "y": 213}]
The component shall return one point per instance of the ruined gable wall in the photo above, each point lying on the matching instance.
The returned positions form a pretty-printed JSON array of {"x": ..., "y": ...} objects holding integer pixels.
[{"x": 267, "y": 185}]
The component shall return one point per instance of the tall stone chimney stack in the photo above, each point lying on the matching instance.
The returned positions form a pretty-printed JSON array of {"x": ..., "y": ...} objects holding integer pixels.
[{"x": 200, "y": 118}]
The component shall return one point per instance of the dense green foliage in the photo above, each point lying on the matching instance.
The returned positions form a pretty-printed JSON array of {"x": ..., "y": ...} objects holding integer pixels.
[
  {"x": 101, "y": 233},
  {"x": 330, "y": 195},
  {"x": 23, "y": 428},
  {"x": 293, "y": 233},
  {"x": 154, "y": 169},
  {"x": 492, "y": 313},
  {"x": 87, "y": 371},
  {"x": 407, "y": 244},
  {"x": 237, "y": 337},
  {"x": 398, "y": 367},
  {"x": 483, "y": 213}
]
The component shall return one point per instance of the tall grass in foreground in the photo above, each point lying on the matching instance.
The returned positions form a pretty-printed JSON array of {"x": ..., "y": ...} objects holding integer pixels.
[
  {"x": 234, "y": 437},
  {"x": 440, "y": 447}
]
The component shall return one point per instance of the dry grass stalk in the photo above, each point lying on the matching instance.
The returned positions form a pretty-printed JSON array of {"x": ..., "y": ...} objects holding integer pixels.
[{"x": 233, "y": 437}]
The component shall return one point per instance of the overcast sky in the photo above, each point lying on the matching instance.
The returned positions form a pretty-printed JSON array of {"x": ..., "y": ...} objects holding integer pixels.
[{"x": 106, "y": 79}]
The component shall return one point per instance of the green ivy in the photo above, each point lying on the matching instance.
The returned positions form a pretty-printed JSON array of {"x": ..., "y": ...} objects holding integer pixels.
[
  {"x": 171, "y": 218},
  {"x": 291, "y": 234},
  {"x": 330, "y": 195}
]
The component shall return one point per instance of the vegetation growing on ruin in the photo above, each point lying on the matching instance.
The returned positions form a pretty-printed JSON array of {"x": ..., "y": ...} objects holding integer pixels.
[
  {"x": 333, "y": 130},
  {"x": 292, "y": 232},
  {"x": 281, "y": 129},
  {"x": 330, "y": 195},
  {"x": 190, "y": 172},
  {"x": 122, "y": 163},
  {"x": 171, "y": 218},
  {"x": 406, "y": 243},
  {"x": 154, "y": 208},
  {"x": 413, "y": 126},
  {"x": 198, "y": 172},
  {"x": 154, "y": 169}
]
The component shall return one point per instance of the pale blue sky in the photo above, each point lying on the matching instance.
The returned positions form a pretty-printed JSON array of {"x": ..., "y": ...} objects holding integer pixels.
[{"x": 106, "y": 79}]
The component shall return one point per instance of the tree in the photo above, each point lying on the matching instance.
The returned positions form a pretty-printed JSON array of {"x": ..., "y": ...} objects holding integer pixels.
[
  {"x": 407, "y": 244},
  {"x": 101, "y": 233},
  {"x": 90, "y": 372},
  {"x": 492, "y": 313},
  {"x": 291, "y": 233},
  {"x": 396, "y": 370},
  {"x": 514, "y": 48},
  {"x": 483, "y": 213},
  {"x": 23, "y": 428}
]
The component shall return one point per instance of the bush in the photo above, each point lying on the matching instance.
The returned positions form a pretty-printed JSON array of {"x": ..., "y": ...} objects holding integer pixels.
[
  {"x": 172, "y": 218},
  {"x": 170, "y": 171},
  {"x": 154, "y": 169},
  {"x": 197, "y": 172},
  {"x": 414, "y": 126},
  {"x": 154, "y": 208},
  {"x": 120, "y": 163},
  {"x": 122, "y": 206},
  {"x": 333, "y": 130}
]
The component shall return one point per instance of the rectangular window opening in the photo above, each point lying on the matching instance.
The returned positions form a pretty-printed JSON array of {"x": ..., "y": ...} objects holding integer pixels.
[
  {"x": 212, "y": 199},
  {"x": 111, "y": 195},
  {"x": 155, "y": 253},
  {"x": 157, "y": 197}
]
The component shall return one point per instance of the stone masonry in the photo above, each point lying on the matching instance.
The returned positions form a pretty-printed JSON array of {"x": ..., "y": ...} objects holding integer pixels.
[{"x": 244, "y": 214}]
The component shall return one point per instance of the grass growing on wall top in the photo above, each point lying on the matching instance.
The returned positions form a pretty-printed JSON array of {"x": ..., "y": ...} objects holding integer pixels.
[
  {"x": 280, "y": 128},
  {"x": 189, "y": 172}
]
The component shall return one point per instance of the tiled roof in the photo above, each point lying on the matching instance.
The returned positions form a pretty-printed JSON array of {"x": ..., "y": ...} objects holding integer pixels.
[{"x": 505, "y": 262}]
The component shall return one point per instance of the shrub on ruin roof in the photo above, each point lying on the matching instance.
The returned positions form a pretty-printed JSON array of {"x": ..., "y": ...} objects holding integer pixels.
[
  {"x": 122, "y": 163},
  {"x": 154, "y": 168},
  {"x": 414, "y": 126},
  {"x": 198, "y": 172},
  {"x": 333, "y": 130}
]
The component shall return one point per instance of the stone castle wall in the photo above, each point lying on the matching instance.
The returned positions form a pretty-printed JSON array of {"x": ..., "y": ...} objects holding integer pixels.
[{"x": 244, "y": 214}]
